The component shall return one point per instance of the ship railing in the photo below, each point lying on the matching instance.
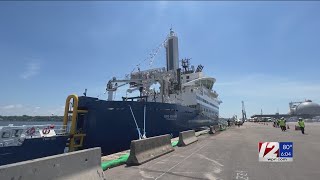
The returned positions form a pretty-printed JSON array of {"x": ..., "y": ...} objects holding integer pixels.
[
  {"x": 32, "y": 130},
  {"x": 57, "y": 129},
  {"x": 15, "y": 135}
]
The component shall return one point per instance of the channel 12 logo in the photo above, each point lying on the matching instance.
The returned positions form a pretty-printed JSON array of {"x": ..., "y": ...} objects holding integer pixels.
[{"x": 275, "y": 151}]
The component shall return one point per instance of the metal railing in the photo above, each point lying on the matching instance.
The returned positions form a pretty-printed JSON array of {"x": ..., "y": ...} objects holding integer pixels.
[{"x": 15, "y": 135}]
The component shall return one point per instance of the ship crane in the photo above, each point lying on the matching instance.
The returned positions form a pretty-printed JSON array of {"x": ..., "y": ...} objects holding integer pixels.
[
  {"x": 114, "y": 84},
  {"x": 141, "y": 81},
  {"x": 244, "y": 114}
]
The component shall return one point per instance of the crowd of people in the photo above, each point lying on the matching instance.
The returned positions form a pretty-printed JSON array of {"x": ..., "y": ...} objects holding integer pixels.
[{"x": 282, "y": 123}]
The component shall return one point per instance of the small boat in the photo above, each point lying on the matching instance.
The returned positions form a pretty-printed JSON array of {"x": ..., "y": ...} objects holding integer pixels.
[{"x": 21, "y": 143}]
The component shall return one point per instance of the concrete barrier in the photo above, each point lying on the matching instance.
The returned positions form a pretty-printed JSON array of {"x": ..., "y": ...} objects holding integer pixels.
[
  {"x": 145, "y": 150},
  {"x": 212, "y": 130},
  {"x": 187, "y": 137},
  {"x": 216, "y": 127},
  {"x": 79, "y": 165}
]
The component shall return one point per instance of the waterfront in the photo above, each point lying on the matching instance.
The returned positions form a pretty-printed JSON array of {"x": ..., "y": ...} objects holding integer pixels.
[{"x": 20, "y": 123}]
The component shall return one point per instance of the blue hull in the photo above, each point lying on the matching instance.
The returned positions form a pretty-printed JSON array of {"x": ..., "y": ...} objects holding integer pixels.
[
  {"x": 32, "y": 149},
  {"x": 110, "y": 124}
]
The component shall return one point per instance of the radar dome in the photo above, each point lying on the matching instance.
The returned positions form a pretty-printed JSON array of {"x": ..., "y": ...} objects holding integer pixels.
[{"x": 308, "y": 107}]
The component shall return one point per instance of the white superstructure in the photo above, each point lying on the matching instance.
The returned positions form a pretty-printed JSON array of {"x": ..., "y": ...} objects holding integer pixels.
[{"x": 187, "y": 86}]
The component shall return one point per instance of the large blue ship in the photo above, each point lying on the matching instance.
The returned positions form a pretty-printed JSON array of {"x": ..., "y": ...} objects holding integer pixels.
[{"x": 169, "y": 100}]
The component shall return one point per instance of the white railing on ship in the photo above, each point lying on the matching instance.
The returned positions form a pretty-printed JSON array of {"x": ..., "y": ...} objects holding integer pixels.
[
  {"x": 15, "y": 135},
  {"x": 58, "y": 129}
]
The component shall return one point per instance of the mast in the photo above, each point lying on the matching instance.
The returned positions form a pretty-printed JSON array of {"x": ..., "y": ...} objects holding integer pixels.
[
  {"x": 172, "y": 53},
  {"x": 244, "y": 114}
]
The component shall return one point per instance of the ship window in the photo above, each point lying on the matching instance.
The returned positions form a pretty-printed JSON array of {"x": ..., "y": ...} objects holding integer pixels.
[
  {"x": 5, "y": 135},
  {"x": 187, "y": 77},
  {"x": 17, "y": 133}
]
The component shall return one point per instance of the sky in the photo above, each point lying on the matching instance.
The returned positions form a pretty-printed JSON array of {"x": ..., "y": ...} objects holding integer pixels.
[{"x": 263, "y": 53}]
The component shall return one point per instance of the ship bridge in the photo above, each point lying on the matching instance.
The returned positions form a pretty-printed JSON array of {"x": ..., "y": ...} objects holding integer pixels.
[{"x": 202, "y": 81}]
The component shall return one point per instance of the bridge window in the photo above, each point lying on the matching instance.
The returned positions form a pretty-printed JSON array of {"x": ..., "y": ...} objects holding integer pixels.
[
  {"x": 5, "y": 135},
  {"x": 17, "y": 133}
]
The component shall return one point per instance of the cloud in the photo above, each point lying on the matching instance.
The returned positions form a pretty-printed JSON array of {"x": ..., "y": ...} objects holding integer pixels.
[
  {"x": 32, "y": 69},
  {"x": 12, "y": 106},
  {"x": 36, "y": 110},
  {"x": 59, "y": 111},
  {"x": 19, "y": 109},
  {"x": 13, "y": 109}
]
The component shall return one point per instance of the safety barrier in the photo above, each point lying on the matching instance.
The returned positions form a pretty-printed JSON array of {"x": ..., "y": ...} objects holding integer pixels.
[
  {"x": 78, "y": 165},
  {"x": 217, "y": 127},
  {"x": 212, "y": 130},
  {"x": 187, "y": 137},
  {"x": 145, "y": 150}
]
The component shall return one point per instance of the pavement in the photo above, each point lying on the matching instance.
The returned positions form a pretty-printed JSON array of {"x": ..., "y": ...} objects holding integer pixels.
[
  {"x": 233, "y": 154},
  {"x": 117, "y": 155}
]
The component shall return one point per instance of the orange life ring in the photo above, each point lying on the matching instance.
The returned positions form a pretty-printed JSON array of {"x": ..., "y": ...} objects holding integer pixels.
[
  {"x": 45, "y": 131},
  {"x": 31, "y": 131}
]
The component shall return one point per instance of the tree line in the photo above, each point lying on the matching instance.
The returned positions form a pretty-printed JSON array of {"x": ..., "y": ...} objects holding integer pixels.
[{"x": 31, "y": 118}]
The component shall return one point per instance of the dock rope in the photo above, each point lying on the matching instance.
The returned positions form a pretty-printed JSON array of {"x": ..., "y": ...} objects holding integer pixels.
[{"x": 140, "y": 136}]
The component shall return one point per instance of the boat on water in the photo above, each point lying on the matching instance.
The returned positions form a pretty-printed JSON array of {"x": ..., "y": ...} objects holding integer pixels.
[
  {"x": 185, "y": 100},
  {"x": 21, "y": 143}
]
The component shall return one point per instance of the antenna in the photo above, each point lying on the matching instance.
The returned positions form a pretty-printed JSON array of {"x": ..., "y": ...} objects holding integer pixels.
[
  {"x": 244, "y": 114},
  {"x": 85, "y": 92}
]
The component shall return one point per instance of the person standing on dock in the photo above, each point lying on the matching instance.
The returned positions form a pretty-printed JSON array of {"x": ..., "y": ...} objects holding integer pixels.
[
  {"x": 282, "y": 124},
  {"x": 301, "y": 125},
  {"x": 277, "y": 124}
]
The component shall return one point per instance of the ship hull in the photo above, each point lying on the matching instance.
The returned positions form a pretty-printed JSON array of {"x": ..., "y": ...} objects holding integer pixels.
[
  {"x": 33, "y": 148},
  {"x": 111, "y": 126}
]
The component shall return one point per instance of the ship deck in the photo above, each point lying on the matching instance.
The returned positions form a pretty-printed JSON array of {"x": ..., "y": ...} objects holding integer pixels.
[{"x": 233, "y": 154}]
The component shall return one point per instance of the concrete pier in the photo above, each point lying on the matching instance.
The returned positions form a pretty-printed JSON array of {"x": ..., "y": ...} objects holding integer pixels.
[{"x": 233, "y": 154}]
